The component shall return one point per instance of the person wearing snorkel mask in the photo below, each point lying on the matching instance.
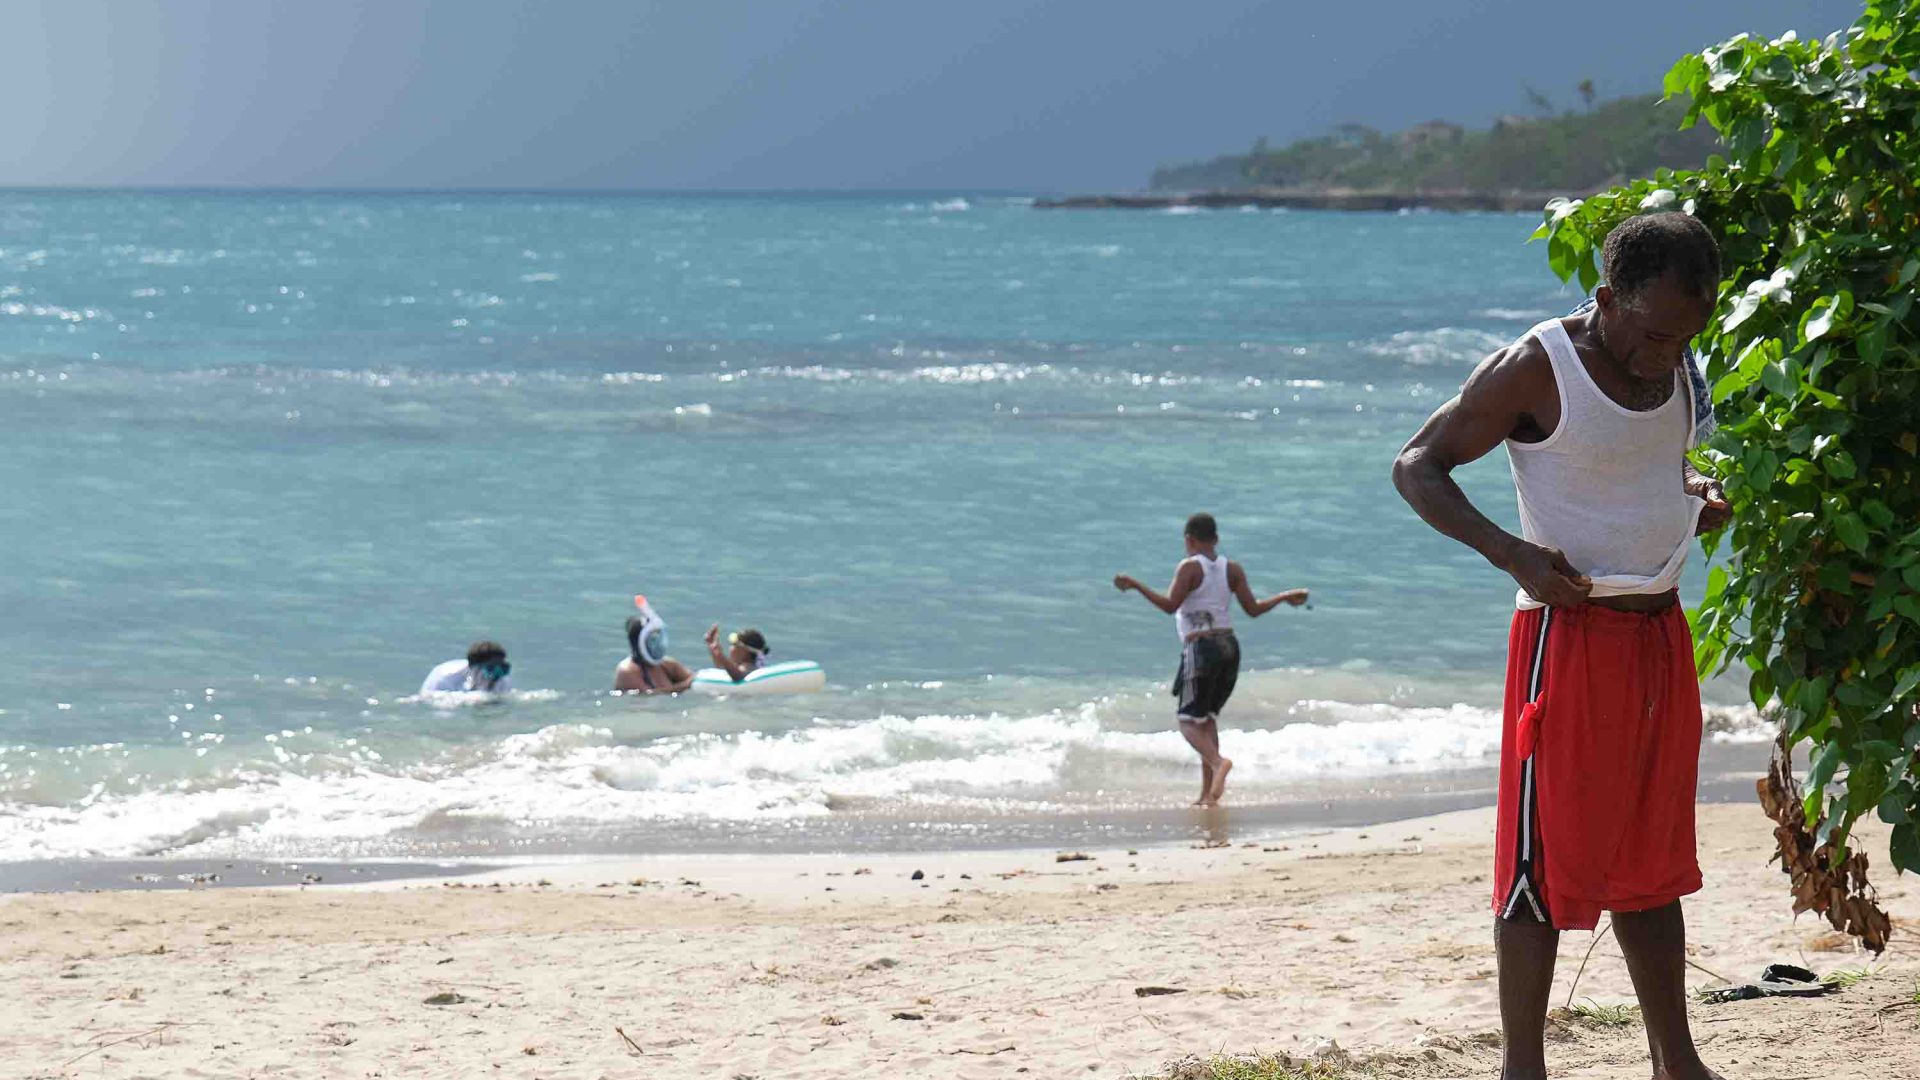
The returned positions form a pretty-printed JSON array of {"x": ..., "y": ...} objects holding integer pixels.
[
  {"x": 647, "y": 668},
  {"x": 484, "y": 670},
  {"x": 745, "y": 654}
]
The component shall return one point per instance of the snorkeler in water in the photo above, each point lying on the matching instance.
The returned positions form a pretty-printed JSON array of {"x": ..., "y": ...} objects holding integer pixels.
[
  {"x": 647, "y": 669},
  {"x": 484, "y": 670}
]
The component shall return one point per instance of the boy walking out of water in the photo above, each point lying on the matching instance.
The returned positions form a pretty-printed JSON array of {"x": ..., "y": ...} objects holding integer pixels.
[{"x": 1204, "y": 585}]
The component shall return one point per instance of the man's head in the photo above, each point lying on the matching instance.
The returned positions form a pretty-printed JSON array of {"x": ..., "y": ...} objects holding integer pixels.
[
  {"x": 747, "y": 648},
  {"x": 1662, "y": 274},
  {"x": 488, "y": 659},
  {"x": 1202, "y": 533}
]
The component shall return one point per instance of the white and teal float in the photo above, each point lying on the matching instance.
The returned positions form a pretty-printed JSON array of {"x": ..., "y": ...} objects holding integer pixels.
[{"x": 792, "y": 677}]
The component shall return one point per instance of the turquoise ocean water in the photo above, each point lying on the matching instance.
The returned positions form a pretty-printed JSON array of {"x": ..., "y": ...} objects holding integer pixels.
[{"x": 268, "y": 457}]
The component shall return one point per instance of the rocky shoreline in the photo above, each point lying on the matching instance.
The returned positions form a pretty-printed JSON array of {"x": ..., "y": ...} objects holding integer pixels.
[{"x": 1266, "y": 199}]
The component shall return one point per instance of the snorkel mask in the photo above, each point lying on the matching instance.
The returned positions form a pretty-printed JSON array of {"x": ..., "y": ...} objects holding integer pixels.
[
  {"x": 648, "y": 641},
  {"x": 492, "y": 673}
]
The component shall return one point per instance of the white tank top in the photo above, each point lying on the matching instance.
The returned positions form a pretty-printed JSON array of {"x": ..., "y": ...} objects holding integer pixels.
[
  {"x": 1205, "y": 608},
  {"x": 1606, "y": 487}
]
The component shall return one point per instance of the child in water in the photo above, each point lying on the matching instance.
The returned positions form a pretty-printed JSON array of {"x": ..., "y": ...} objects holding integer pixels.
[
  {"x": 745, "y": 654},
  {"x": 1203, "y": 586}
]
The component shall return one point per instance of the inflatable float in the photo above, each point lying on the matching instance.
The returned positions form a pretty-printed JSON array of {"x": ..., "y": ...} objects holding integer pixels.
[{"x": 792, "y": 677}]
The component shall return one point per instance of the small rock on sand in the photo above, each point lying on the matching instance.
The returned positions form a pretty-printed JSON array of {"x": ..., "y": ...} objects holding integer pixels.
[
  {"x": 447, "y": 997},
  {"x": 1072, "y": 856}
]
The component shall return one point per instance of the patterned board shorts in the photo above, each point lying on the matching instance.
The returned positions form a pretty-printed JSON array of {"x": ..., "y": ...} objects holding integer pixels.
[{"x": 1209, "y": 666}]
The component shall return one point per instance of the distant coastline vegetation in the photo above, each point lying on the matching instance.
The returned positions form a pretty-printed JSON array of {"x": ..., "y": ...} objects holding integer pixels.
[{"x": 1550, "y": 152}]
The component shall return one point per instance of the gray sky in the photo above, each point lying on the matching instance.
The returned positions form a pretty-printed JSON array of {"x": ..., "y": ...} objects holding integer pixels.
[{"x": 1068, "y": 94}]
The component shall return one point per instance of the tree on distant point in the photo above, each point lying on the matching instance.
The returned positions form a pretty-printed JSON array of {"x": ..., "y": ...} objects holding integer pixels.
[
  {"x": 1586, "y": 93},
  {"x": 1541, "y": 103}
]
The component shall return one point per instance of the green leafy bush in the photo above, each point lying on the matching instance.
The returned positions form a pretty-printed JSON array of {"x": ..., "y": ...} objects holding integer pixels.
[{"x": 1815, "y": 367}]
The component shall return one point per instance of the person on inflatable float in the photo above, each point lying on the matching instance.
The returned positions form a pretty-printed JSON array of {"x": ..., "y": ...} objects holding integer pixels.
[
  {"x": 647, "y": 668},
  {"x": 746, "y": 652}
]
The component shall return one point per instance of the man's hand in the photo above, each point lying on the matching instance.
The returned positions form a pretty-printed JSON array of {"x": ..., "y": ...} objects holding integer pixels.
[
  {"x": 1717, "y": 511},
  {"x": 1296, "y": 597},
  {"x": 1547, "y": 575},
  {"x": 1123, "y": 582},
  {"x": 713, "y": 635}
]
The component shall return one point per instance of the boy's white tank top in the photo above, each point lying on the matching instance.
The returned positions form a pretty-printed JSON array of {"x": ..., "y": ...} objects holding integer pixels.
[
  {"x": 1606, "y": 487},
  {"x": 1205, "y": 608}
]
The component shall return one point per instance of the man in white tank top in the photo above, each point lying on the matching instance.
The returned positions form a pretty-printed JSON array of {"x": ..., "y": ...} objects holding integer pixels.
[
  {"x": 1204, "y": 584},
  {"x": 1601, "y": 737}
]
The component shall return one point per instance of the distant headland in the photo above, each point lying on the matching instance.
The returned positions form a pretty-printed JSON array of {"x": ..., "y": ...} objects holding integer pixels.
[{"x": 1516, "y": 164}]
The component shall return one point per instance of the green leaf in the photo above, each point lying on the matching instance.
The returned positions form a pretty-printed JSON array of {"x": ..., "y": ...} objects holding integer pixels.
[
  {"x": 1905, "y": 848},
  {"x": 1778, "y": 380},
  {"x": 1866, "y": 783},
  {"x": 1894, "y": 806},
  {"x": 1819, "y": 363},
  {"x": 1909, "y": 680},
  {"x": 1873, "y": 343},
  {"x": 1743, "y": 310},
  {"x": 1825, "y": 761},
  {"x": 1716, "y": 584},
  {"x": 1588, "y": 272},
  {"x": 1908, "y": 607},
  {"x": 1853, "y": 532},
  {"x": 1818, "y": 320}
]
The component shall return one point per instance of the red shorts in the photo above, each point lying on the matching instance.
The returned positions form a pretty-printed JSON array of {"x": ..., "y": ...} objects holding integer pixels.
[{"x": 1599, "y": 754}]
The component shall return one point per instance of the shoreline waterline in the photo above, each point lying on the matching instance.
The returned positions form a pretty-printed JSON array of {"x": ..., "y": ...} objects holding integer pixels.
[{"x": 1726, "y": 776}]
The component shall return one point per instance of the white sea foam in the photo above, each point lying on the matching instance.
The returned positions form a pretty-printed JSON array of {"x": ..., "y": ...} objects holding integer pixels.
[
  {"x": 1443, "y": 345},
  {"x": 572, "y": 778},
  {"x": 951, "y": 206},
  {"x": 1735, "y": 724}
]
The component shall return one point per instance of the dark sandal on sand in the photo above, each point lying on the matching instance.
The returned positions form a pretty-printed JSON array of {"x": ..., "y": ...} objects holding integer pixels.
[{"x": 1778, "y": 980}]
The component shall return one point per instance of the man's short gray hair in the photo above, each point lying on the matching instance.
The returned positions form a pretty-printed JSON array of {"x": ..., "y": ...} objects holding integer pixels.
[{"x": 1642, "y": 250}]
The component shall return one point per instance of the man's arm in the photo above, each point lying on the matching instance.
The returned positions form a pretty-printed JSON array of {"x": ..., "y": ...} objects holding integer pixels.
[
  {"x": 1498, "y": 398},
  {"x": 1254, "y": 607},
  {"x": 1185, "y": 580}
]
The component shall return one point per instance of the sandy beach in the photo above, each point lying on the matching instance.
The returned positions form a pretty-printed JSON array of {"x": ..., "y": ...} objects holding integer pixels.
[{"x": 988, "y": 964}]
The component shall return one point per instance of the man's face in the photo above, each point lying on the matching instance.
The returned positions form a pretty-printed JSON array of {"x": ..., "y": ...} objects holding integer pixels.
[{"x": 1650, "y": 336}]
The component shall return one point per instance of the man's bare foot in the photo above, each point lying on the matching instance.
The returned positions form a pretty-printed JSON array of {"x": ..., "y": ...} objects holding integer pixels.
[{"x": 1219, "y": 781}]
